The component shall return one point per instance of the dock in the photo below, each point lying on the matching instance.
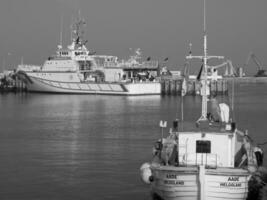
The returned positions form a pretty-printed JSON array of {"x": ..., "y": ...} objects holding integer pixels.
[
  {"x": 12, "y": 84},
  {"x": 169, "y": 86},
  {"x": 174, "y": 87}
]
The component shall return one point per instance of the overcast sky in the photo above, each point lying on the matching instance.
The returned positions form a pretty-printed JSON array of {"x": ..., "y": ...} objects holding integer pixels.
[{"x": 161, "y": 28}]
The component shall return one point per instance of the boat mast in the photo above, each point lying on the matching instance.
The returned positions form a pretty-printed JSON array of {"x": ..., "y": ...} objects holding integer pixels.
[
  {"x": 71, "y": 27},
  {"x": 204, "y": 96},
  {"x": 205, "y": 59},
  {"x": 61, "y": 30}
]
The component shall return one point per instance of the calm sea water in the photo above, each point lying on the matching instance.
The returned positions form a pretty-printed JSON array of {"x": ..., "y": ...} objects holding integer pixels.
[{"x": 91, "y": 147}]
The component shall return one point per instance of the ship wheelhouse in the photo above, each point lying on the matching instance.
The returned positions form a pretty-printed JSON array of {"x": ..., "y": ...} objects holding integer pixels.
[
  {"x": 212, "y": 145},
  {"x": 85, "y": 65},
  {"x": 211, "y": 148}
]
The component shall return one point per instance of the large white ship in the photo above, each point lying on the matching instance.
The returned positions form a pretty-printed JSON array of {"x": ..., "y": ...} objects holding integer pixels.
[{"x": 77, "y": 70}]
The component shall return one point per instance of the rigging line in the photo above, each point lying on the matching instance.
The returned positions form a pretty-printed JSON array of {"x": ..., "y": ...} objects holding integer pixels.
[
  {"x": 61, "y": 29},
  {"x": 176, "y": 113},
  {"x": 204, "y": 25},
  {"x": 177, "y": 108},
  {"x": 231, "y": 98},
  {"x": 262, "y": 144}
]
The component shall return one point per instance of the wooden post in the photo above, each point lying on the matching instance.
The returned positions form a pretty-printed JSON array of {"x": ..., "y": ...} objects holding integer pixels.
[
  {"x": 173, "y": 87},
  {"x": 169, "y": 87},
  {"x": 162, "y": 87},
  {"x": 176, "y": 87}
]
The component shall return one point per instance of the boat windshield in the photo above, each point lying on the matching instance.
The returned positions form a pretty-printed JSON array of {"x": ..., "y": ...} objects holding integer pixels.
[{"x": 85, "y": 65}]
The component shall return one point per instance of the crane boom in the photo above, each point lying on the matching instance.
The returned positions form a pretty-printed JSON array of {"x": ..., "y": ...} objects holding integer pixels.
[
  {"x": 261, "y": 71},
  {"x": 218, "y": 66},
  {"x": 255, "y": 59},
  {"x": 229, "y": 66}
]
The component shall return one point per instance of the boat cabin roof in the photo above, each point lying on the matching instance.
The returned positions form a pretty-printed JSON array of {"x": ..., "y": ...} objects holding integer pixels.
[{"x": 207, "y": 127}]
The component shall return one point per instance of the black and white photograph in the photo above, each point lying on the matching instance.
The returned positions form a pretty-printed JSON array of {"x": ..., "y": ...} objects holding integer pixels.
[{"x": 133, "y": 99}]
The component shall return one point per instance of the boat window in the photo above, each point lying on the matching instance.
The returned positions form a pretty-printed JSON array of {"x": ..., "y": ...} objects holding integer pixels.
[
  {"x": 64, "y": 53},
  {"x": 77, "y": 53},
  {"x": 203, "y": 146},
  {"x": 85, "y": 65}
]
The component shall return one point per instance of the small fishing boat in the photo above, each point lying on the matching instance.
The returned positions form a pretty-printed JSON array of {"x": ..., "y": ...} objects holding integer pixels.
[{"x": 205, "y": 160}]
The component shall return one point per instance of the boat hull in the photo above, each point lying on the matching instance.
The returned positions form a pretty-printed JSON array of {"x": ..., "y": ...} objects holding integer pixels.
[
  {"x": 35, "y": 84},
  {"x": 186, "y": 183}
]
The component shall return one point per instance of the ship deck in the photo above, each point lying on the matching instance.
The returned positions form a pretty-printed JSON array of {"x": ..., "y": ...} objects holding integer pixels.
[{"x": 206, "y": 126}]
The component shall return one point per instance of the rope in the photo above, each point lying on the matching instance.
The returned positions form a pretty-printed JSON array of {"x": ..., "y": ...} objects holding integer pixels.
[{"x": 262, "y": 144}]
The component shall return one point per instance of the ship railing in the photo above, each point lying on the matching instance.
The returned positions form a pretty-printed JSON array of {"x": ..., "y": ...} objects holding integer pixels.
[
  {"x": 137, "y": 80},
  {"x": 207, "y": 159},
  {"x": 137, "y": 65},
  {"x": 111, "y": 64},
  {"x": 151, "y": 63}
]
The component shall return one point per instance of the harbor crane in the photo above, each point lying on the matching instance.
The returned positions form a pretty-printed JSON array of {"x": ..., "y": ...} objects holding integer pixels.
[
  {"x": 229, "y": 68},
  {"x": 213, "y": 70},
  {"x": 261, "y": 72}
]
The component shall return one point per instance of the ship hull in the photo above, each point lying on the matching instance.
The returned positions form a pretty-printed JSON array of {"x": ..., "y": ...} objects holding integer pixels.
[
  {"x": 188, "y": 183},
  {"x": 35, "y": 84}
]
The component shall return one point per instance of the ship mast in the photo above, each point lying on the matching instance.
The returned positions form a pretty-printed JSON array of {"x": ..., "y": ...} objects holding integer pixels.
[
  {"x": 77, "y": 33},
  {"x": 60, "y": 37},
  {"x": 205, "y": 59}
]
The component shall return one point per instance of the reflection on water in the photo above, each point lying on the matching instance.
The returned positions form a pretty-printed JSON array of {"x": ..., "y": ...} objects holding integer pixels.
[{"x": 91, "y": 147}]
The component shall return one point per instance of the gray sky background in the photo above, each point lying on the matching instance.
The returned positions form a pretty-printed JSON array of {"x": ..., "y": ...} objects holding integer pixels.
[{"x": 161, "y": 28}]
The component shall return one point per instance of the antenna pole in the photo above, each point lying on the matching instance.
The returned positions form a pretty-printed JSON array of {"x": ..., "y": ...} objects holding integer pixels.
[
  {"x": 204, "y": 95},
  {"x": 204, "y": 58},
  {"x": 61, "y": 29},
  {"x": 72, "y": 21},
  {"x": 204, "y": 16},
  {"x": 4, "y": 63},
  {"x": 233, "y": 96},
  {"x": 182, "y": 111}
]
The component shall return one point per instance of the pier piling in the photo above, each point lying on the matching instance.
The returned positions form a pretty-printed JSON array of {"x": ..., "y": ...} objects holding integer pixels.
[{"x": 174, "y": 87}]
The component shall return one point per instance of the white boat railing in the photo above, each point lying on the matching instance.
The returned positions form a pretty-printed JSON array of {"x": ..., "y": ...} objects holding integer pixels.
[{"x": 207, "y": 159}]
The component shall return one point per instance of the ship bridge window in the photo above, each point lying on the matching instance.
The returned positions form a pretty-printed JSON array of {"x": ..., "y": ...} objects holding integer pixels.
[
  {"x": 77, "y": 53},
  {"x": 203, "y": 146},
  {"x": 64, "y": 53},
  {"x": 85, "y": 65}
]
